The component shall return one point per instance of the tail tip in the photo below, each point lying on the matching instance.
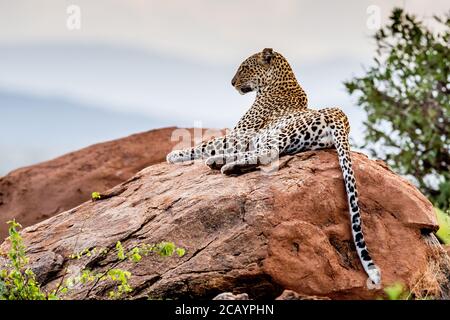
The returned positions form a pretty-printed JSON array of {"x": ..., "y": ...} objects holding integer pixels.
[{"x": 374, "y": 280}]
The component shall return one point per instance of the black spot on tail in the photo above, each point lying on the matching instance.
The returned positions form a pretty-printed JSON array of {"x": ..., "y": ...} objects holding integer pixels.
[
  {"x": 352, "y": 199},
  {"x": 361, "y": 244},
  {"x": 365, "y": 255}
]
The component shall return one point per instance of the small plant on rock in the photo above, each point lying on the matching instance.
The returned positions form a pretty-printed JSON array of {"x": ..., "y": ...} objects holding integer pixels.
[{"x": 18, "y": 281}]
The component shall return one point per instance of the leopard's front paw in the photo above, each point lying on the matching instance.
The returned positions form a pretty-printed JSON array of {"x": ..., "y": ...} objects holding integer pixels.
[
  {"x": 172, "y": 157},
  {"x": 228, "y": 169},
  {"x": 215, "y": 162},
  {"x": 177, "y": 156}
]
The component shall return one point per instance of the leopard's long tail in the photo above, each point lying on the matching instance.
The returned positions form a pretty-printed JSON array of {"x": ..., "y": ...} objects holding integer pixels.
[{"x": 340, "y": 140}]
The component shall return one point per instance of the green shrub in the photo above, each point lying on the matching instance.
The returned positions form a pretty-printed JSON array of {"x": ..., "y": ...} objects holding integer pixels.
[
  {"x": 18, "y": 282},
  {"x": 444, "y": 226},
  {"x": 119, "y": 276},
  {"x": 396, "y": 291},
  {"x": 407, "y": 99}
]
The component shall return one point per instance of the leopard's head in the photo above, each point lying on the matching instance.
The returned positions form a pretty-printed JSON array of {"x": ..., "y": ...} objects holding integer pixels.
[{"x": 258, "y": 71}]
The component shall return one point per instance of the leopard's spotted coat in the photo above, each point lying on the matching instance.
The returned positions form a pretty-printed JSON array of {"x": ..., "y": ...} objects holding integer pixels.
[{"x": 280, "y": 122}]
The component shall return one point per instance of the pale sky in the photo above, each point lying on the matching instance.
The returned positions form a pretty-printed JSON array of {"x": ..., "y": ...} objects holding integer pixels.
[{"x": 209, "y": 31}]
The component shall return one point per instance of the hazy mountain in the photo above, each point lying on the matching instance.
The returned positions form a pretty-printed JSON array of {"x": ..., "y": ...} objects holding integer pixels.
[
  {"x": 37, "y": 128},
  {"x": 147, "y": 82}
]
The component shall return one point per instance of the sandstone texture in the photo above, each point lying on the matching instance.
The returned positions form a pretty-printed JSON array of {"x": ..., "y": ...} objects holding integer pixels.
[
  {"x": 37, "y": 192},
  {"x": 259, "y": 233}
]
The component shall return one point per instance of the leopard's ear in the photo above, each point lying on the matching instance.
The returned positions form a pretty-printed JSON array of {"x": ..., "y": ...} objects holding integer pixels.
[{"x": 267, "y": 55}]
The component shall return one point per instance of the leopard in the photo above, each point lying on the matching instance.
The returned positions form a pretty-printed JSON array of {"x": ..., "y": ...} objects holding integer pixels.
[{"x": 278, "y": 123}]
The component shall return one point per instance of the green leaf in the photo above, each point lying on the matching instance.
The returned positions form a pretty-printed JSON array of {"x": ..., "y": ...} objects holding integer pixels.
[
  {"x": 166, "y": 248},
  {"x": 444, "y": 226},
  {"x": 96, "y": 196},
  {"x": 120, "y": 251},
  {"x": 394, "y": 292}
]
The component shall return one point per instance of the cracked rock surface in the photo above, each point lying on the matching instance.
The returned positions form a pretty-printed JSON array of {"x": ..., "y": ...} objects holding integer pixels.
[
  {"x": 37, "y": 192},
  {"x": 256, "y": 233}
]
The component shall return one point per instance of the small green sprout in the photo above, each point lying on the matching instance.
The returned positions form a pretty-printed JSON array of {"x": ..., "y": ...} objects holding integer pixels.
[
  {"x": 96, "y": 196},
  {"x": 396, "y": 292}
]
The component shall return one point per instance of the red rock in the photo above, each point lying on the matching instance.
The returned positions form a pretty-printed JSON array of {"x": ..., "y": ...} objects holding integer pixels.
[
  {"x": 37, "y": 192},
  {"x": 255, "y": 233}
]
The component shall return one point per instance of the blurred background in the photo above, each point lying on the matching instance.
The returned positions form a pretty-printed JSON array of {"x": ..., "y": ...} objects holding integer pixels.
[{"x": 135, "y": 65}]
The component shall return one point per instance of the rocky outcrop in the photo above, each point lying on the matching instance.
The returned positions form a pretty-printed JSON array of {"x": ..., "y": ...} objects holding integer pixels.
[
  {"x": 259, "y": 233},
  {"x": 35, "y": 193}
]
